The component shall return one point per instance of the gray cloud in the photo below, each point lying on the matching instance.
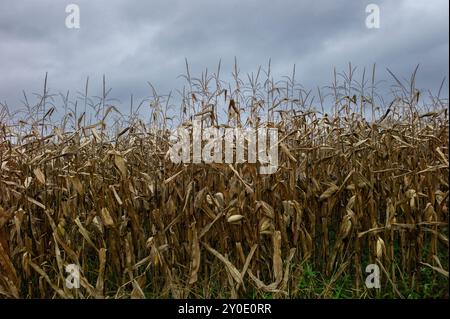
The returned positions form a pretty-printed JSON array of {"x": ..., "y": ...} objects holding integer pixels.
[{"x": 133, "y": 42}]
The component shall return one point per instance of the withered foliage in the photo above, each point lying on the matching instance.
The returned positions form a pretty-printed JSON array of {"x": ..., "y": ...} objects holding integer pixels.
[{"x": 351, "y": 189}]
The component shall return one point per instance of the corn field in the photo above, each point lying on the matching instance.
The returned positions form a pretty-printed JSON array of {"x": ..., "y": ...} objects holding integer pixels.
[{"x": 362, "y": 179}]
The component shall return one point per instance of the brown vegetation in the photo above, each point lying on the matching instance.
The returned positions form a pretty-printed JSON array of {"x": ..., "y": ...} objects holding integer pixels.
[{"x": 350, "y": 190}]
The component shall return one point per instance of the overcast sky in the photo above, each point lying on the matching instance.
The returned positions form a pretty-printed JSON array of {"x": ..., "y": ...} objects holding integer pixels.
[{"x": 136, "y": 41}]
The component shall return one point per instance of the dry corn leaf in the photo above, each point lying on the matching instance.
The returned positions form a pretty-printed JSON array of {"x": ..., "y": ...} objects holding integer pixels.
[
  {"x": 330, "y": 191},
  {"x": 39, "y": 175},
  {"x": 277, "y": 261},
  {"x": 121, "y": 166},
  {"x": 230, "y": 267},
  {"x": 234, "y": 218},
  {"x": 106, "y": 217},
  {"x": 195, "y": 258}
]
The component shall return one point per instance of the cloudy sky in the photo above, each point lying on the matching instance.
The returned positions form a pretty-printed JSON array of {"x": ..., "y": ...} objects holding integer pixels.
[{"x": 136, "y": 41}]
